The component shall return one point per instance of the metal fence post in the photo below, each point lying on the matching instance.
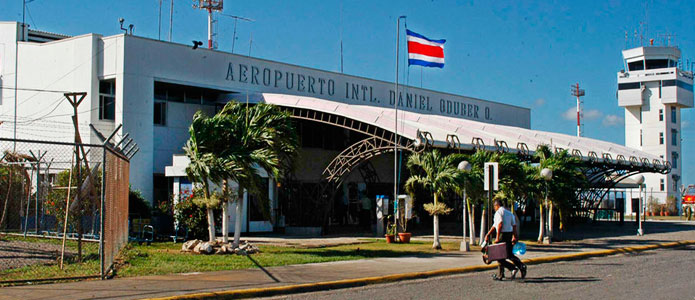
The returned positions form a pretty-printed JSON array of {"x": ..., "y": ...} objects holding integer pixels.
[{"x": 102, "y": 214}]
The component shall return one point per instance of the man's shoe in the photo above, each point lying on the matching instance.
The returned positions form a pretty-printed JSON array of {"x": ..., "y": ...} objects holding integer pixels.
[
  {"x": 498, "y": 277},
  {"x": 523, "y": 271},
  {"x": 514, "y": 273}
]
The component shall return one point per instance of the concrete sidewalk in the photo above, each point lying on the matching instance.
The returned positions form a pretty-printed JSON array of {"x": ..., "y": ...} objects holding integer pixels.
[{"x": 179, "y": 284}]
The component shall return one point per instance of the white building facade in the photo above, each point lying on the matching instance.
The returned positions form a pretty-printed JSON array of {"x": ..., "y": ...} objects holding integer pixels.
[
  {"x": 653, "y": 91},
  {"x": 153, "y": 88}
]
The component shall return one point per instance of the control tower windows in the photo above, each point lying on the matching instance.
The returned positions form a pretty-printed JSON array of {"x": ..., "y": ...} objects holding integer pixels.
[
  {"x": 661, "y": 115},
  {"x": 674, "y": 137},
  {"x": 661, "y": 138},
  {"x": 673, "y": 115},
  {"x": 656, "y": 63},
  {"x": 636, "y": 65}
]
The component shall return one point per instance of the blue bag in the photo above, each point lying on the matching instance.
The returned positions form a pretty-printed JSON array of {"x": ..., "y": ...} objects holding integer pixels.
[{"x": 519, "y": 248}]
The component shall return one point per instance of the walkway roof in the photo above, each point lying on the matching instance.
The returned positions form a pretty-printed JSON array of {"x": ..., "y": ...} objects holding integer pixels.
[{"x": 473, "y": 134}]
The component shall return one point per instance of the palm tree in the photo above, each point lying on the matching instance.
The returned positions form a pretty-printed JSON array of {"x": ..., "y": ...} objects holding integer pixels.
[
  {"x": 205, "y": 165},
  {"x": 437, "y": 174},
  {"x": 567, "y": 178},
  {"x": 261, "y": 135}
]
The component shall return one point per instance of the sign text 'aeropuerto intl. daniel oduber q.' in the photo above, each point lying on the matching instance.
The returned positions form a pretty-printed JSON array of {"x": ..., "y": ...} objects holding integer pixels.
[{"x": 351, "y": 90}]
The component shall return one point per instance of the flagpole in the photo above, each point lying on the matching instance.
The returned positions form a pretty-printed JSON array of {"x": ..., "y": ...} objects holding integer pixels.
[{"x": 395, "y": 127}]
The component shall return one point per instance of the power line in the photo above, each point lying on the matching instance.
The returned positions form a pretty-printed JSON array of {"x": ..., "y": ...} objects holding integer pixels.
[{"x": 32, "y": 90}]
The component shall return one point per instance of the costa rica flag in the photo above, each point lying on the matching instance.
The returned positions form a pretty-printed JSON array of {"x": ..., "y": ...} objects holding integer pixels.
[{"x": 423, "y": 51}]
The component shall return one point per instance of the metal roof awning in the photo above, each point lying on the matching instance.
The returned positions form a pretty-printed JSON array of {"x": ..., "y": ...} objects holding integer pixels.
[{"x": 444, "y": 132}]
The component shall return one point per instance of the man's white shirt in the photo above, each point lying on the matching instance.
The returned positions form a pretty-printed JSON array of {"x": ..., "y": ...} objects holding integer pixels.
[{"x": 506, "y": 218}]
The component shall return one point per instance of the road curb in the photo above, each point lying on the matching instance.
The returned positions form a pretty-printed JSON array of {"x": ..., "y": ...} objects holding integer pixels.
[{"x": 347, "y": 283}]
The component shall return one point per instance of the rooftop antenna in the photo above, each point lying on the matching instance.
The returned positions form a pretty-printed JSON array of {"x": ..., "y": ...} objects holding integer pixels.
[
  {"x": 159, "y": 22},
  {"x": 236, "y": 19},
  {"x": 171, "y": 19},
  {"x": 210, "y": 6},
  {"x": 577, "y": 92},
  {"x": 341, "y": 36}
]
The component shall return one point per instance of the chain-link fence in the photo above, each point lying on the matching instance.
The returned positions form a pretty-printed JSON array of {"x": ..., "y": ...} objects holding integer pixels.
[{"x": 56, "y": 200}]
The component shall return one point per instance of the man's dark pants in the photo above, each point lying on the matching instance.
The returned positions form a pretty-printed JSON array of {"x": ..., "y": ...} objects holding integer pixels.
[{"x": 507, "y": 238}]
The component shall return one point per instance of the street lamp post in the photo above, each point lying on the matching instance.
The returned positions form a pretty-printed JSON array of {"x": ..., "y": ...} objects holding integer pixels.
[
  {"x": 639, "y": 179},
  {"x": 464, "y": 166},
  {"x": 547, "y": 175}
]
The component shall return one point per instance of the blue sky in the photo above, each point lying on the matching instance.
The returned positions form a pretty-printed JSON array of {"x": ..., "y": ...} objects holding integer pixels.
[{"x": 526, "y": 53}]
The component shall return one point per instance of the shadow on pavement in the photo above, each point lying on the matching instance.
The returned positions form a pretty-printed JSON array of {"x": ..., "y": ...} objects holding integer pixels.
[
  {"x": 558, "y": 279},
  {"x": 262, "y": 269}
]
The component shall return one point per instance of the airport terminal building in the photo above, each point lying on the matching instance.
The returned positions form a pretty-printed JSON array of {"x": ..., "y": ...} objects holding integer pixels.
[{"x": 346, "y": 123}]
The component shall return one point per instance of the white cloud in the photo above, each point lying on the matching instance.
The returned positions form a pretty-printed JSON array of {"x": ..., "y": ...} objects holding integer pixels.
[
  {"x": 570, "y": 114},
  {"x": 592, "y": 114},
  {"x": 612, "y": 120},
  {"x": 588, "y": 115},
  {"x": 539, "y": 102},
  {"x": 685, "y": 124}
]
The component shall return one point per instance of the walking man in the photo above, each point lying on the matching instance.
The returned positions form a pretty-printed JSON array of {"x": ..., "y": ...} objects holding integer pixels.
[{"x": 506, "y": 232}]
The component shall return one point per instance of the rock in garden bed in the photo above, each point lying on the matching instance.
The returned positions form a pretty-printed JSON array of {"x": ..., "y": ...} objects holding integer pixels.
[{"x": 218, "y": 247}]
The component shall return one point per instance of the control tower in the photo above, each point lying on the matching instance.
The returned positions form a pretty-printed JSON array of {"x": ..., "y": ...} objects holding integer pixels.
[{"x": 653, "y": 90}]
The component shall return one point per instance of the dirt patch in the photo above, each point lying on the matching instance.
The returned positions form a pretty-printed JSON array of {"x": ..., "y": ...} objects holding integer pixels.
[{"x": 17, "y": 254}]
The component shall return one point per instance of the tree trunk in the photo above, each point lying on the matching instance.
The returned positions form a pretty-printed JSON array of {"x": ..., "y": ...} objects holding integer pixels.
[
  {"x": 211, "y": 216},
  {"x": 541, "y": 229},
  {"x": 211, "y": 225},
  {"x": 471, "y": 223},
  {"x": 237, "y": 222},
  {"x": 435, "y": 220},
  {"x": 7, "y": 198},
  {"x": 483, "y": 228},
  {"x": 436, "y": 244},
  {"x": 225, "y": 211},
  {"x": 550, "y": 220},
  {"x": 225, "y": 222}
]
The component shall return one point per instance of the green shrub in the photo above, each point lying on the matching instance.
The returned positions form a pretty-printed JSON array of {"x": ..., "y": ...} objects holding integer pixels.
[
  {"x": 192, "y": 215},
  {"x": 137, "y": 205}
]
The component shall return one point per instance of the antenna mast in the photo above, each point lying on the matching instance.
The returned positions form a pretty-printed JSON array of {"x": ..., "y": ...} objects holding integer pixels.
[
  {"x": 236, "y": 18},
  {"x": 210, "y": 6},
  {"x": 577, "y": 92}
]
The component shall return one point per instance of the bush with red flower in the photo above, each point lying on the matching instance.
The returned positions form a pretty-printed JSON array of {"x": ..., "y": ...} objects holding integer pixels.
[{"x": 191, "y": 214}]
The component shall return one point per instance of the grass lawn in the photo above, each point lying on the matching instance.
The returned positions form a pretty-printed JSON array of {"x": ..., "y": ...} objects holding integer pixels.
[{"x": 166, "y": 258}]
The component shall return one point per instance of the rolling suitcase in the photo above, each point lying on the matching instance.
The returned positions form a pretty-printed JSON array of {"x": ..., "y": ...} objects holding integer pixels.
[{"x": 494, "y": 252}]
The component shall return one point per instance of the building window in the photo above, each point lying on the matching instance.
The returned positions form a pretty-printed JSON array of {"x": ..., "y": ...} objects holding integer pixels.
[
  {"x": 629, "y": 86},
  {"x": 170, "y": 92},
  {"x": 107, "y": 100},
  {"x": 636, "y": 65},
  {"x": 661, "y": 138},
  {"x": 674, "y": 160},
  {"x": 661, "y": 184},
  {"x": 673, "y": 114},
  {"x": 661, "y": 114},
  {"x": 674, "y": 137},
  {"x": 160, "y": 112}
]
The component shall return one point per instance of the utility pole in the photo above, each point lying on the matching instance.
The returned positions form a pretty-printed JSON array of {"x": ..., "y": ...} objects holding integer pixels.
[
  {"x": 75, "y": 102},
  {"x": 577, "y": 92}
]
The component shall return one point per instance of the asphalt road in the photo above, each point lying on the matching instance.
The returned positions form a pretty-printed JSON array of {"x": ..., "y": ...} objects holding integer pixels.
[{"x": 658, "y": 274}]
